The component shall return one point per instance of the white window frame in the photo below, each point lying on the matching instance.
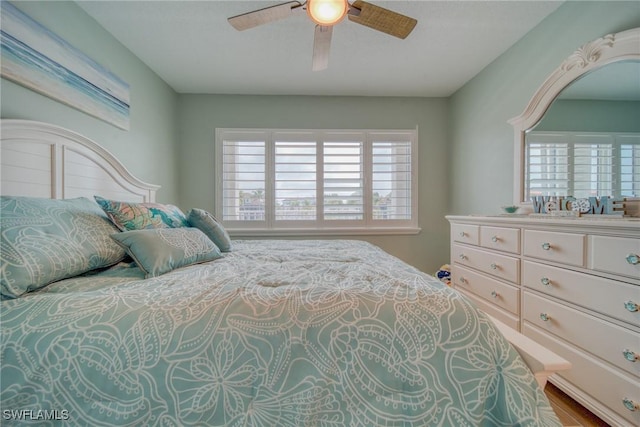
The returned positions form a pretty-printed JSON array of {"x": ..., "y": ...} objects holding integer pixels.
[
  {"x": 271, "y": 227},
  {"x": 571, "y": 140}
]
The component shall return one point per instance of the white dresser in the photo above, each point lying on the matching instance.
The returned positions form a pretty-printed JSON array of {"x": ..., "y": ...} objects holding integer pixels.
[{"x": 572, "y": 285}]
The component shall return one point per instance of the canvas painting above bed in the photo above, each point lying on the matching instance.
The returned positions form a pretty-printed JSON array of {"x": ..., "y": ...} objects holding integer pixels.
[
  {"x": 136, "y": 313},
  {"x": 40, "y": 60}
]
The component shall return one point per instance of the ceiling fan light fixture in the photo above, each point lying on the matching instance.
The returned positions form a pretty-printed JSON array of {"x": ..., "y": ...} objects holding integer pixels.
[{"x": 327, "y": 12}]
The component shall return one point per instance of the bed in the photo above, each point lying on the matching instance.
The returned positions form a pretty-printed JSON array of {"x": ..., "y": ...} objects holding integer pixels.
[{"x": 261, "y": 333}]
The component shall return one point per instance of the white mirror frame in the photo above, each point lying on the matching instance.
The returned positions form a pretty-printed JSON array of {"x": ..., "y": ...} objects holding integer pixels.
[{"x": 593, "y": 55}]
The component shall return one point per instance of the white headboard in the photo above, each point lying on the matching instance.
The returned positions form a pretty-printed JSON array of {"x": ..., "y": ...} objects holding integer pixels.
[{"x": 43, "y": 160}]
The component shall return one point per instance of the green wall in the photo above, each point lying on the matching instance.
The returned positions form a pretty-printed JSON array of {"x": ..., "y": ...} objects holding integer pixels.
[
  {"x": 481, "y": 140},
  {"x": 148, "y": 148},
  {"x": 201, "y": 114}
]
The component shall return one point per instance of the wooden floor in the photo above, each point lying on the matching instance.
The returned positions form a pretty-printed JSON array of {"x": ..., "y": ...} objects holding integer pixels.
[{"x": 570, "y": 412}]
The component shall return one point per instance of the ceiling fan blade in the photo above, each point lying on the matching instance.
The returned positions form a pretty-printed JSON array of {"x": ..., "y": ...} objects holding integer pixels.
[
  {"x": 381, "y": 19},
  {"x": 321, "y": 47},
  {"x": 263, "y": 16}
]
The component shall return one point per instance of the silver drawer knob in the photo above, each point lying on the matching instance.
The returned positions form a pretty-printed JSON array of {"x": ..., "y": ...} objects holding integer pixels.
[
  {"x": 545, "y": 281},
  {"x": 546, "y": 246},
  {"x": 494, "y": 294},
  {"x": 633, "y": 259},
  {"x": 494, "y": 239},
  {"x": 462, "y": 256},
  {"x": 545, "y": 317},
  {"x": 494, "y": 266},
  {"x": 462, "y": 234},
  {"x": 630, "y": 404},
  {"x": 631, "y": 306},
  {"x": 631, "y": 356},
  {"x": 463, "y": 279}
]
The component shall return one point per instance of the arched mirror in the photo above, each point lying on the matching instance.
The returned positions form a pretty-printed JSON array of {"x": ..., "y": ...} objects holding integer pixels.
[{"x": 580, "y": 133}]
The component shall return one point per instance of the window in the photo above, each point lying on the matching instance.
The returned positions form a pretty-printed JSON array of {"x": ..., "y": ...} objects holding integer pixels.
[
  {"x": 582, "y": 164},
  {"x": 316, "y": 180}
]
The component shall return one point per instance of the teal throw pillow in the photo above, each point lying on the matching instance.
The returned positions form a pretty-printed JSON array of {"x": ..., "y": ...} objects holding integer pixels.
[
  {"x": 139, "y": 216},
  {"x": 160, "y": 250},
  {"x": 210, "y": 226},
  {"x": 46, "y": 240}
]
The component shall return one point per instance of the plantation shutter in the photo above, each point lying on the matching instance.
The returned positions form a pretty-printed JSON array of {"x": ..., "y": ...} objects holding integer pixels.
[
  {"x": 391, "y": 188},
  {"x": 629, "y": 183},
  {"x": 582, "y": 164},
  {"x": 343, "y": 181},
  {"x": 295, "y": 176},
  {"x": 593, "y": 165},
  {"x": 547, "y": 163},
  {"x": 243, "y": 170},
  {"x": 292, "y": 180}
]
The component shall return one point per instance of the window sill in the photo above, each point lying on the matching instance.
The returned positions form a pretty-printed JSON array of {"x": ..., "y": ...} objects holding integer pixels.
[{"x": 261, "y": 232}]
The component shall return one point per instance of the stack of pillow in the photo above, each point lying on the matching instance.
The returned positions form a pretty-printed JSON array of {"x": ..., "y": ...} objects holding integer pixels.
[
  {"x": 46, "y": 240},
  {"x": 161, "y": 238}
]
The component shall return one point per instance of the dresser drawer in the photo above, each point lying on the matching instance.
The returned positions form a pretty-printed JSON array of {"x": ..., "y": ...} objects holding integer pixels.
[
  {"x": 492, "y": 290},
  {"x": 566, "y": 248},
  {"x": 598, "y": 380},
  {"x": 466, "y": 233},
  {"x": 595, "y": 293},
  {"x": 594, "y": 335},
  {"x": 500, "y": 238},
  {"x": 610, "y": 254},
  {"x": 501, "y": 266},
  {"x": 504, "y": 316}
]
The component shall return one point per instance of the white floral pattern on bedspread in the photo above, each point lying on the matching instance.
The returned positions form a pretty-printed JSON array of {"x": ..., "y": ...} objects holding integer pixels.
[{"x": 276, "y": 333}]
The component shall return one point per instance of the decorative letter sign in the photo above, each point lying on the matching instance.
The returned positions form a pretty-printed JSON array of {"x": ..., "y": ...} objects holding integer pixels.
[{"x": 571, "y": 206}]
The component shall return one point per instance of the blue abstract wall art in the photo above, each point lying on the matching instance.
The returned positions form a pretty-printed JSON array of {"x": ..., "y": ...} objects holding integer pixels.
[{"x": 38, "y": 59}]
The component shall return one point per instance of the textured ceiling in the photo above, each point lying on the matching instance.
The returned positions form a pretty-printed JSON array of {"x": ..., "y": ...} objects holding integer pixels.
[{"x": 193, "y": 48}]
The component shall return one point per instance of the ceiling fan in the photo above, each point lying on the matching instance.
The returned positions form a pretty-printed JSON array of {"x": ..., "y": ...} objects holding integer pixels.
[{"x": 327, "y": 13}]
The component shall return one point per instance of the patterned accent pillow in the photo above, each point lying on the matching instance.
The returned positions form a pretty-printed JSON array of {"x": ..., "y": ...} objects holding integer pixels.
[
  {"x": 210, "y": 226},
  {"x": 160, "y": 250},
  {"x": 139, "y": 216},
  {"x": 46, "y": 240}
]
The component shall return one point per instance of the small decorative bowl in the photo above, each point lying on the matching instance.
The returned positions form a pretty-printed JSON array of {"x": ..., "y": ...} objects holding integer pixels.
[{"x": 510, "y": 209}]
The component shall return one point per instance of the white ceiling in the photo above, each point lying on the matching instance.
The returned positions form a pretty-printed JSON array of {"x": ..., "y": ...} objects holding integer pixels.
[{"x": 193, "y": 48}]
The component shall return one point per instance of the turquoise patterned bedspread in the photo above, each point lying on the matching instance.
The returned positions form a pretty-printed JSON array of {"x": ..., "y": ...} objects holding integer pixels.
[{"x": 276, "y": 333}]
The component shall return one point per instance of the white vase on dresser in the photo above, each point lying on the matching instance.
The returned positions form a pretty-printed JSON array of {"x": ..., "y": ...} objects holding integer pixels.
[{"x": 573, "y": 285}]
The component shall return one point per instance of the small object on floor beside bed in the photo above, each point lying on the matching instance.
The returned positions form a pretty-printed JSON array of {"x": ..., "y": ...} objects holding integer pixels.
[{"x": 444, "y": 274}]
